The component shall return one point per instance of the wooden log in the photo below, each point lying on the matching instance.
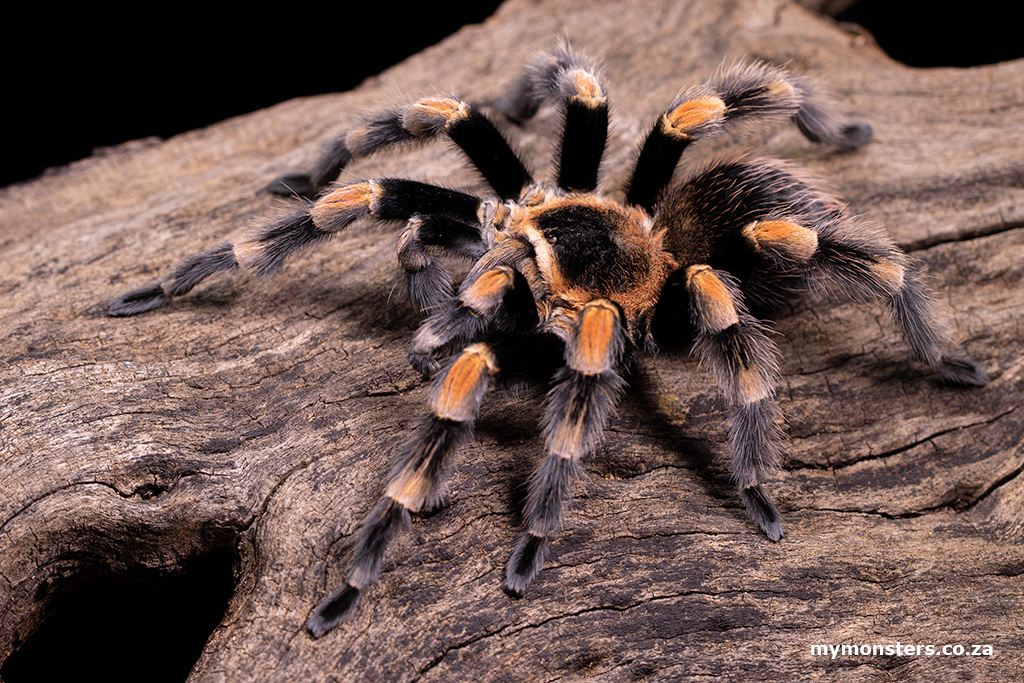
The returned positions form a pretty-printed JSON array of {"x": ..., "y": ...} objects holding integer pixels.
[{"x": 256, "y": 420}]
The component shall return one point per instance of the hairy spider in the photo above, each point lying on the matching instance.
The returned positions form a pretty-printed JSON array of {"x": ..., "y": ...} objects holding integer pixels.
[{"x": 567, "y": 283}]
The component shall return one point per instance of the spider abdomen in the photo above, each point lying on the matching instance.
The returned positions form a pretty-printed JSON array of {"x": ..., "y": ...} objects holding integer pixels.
[{"x": 712, "y": 207}]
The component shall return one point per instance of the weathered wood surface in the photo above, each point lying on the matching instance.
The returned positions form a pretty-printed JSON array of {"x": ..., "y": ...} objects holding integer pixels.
[{"x": 263, "y": 415}]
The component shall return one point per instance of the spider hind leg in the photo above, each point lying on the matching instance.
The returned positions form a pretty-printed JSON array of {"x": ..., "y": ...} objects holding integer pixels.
[
  {"x": 568, "y": 77},
  {"x": 419, "y": 122},
  {"x": 859, "y": 260}
]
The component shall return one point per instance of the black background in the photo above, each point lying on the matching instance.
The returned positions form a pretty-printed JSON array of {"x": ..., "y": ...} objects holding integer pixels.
[
  {"x": 86, "y": 78},
  {"x": 77, "y": 79}
]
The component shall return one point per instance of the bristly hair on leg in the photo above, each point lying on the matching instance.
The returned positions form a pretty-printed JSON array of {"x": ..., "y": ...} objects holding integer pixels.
[
  {"x": 567, "y": 77},
  {"x": 550, "y": 488},
  {"x": 333, "y": 610},
  {"x": 763, "y": 511},
  {"x": 757, "y": 449},
  {"x": 818, "y": 122},
  {"x": 367, "y": 555},
  {"x": 138, "y": 301},
  {"x": 189, "y": 273},
  {"x": 918, "y": 316}
]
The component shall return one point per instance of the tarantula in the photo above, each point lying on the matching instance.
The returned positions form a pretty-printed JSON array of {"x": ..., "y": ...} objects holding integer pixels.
[{"x": 567, "y": 283}]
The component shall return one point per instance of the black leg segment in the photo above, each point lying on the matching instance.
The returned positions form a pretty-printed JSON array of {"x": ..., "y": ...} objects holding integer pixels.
[
  {"x": 567, "y": 77},
  {"x": 419, "y": 122}
]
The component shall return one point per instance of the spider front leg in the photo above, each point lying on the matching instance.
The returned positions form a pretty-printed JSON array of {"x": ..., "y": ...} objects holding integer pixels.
[
  {"x": 265, "y": 251},
  {"x": 421, "y": 468},
  {"x": 743, "y": 361},
  {"x": 585, "y": 392},
  {"x": 417, "y": 477}
]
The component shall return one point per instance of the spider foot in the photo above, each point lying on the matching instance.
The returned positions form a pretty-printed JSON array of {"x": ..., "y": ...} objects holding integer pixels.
[
  {"x": 294, "y": 184},
  {"x": 525, "y": 563},
  {"x": 333, "y": 610},
  {"x": 763, "y": 511},
  {"x": 424, "y": 363},
  {"x": 961, "y": 371},
  {"x": 138, "y": 301},
  {"x": 855, "y": 135}
]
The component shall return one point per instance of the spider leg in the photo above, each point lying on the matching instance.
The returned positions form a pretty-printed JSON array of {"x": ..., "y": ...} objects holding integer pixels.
[
  {"x": 495, "y": 294},
  {"x": 780, "y": 235},
  {"x": 847, "y": 259},
  {"x": 784, "y": 242},
  {"x": 566, "y": 76},
  {"x": 586, "y": 390},
  {"x": 419, "y": 472},
  {"x": 426, "y": 119},
  {"x": 265, "y": 251},
  {"x": 430, "y": 283},
  {"x": 732, "y": 345},
  {"x": 417, "y": 477},
  {"x": 755, "y": 93},
  {"x": 859, "y": 260}
]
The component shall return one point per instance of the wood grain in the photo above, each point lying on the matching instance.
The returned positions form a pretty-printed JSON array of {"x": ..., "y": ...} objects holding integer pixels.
[{"x": 262, "y": 415}]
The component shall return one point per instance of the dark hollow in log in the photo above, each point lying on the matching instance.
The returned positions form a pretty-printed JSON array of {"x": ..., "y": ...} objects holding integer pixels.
[{"x": 153, "y": 623}]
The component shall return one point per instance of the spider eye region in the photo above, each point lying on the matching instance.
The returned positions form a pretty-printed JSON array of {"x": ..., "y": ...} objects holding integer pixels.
[{"x": 600, "y": 248}]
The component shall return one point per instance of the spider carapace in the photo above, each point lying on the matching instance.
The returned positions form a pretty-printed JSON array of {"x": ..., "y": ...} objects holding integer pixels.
[{"x": 568, "y": 284}]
